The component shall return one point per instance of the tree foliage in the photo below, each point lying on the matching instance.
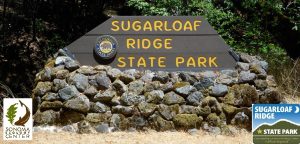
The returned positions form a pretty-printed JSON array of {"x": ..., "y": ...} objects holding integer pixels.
[{"x": 11, "y": 113}]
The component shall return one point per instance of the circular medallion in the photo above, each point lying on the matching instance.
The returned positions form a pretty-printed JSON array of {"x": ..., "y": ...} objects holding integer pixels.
[{"x": 106, "y": 47}]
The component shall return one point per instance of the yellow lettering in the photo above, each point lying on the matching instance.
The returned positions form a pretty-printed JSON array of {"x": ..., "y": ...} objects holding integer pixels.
[
  {"x": 179, "y": 60},
  {"x": 166, "y": 26},
  {"x": 136, "y": 26},
  {"x": 141, "y": 62},
  {"x": 130, "y": 43},
  {"x": 188, "y": 26},
  {"x": 146, "y": 43},
  {"x": 161, "y": 62},
  {"x": 131, "y": 61},
  {"x": 123, "y": 26},
  {"x": 152, "y": 61},
  {"x": 121, "y": 62},
  {"x": 157, "y": 43},
  {"x": 212, "y": 61},
  {"x": 201, "y": 61},
  {"x": 168, "y": 43},
  {"x": 158, "y": 25},
  {"x": 196, "y": 24},
  {"x": 147, "y": 26},
  {"x": 115, "y": 26},
  {"x": 177, "y": 25},
  {"x": 191, "y": 62}
]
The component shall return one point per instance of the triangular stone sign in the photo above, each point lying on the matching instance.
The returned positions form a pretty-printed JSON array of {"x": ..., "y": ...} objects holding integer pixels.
[{"x": 170, "y": 43}]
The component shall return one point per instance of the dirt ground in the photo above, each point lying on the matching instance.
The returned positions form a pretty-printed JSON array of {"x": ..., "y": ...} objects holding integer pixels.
[{"x": 151, "y": 137}]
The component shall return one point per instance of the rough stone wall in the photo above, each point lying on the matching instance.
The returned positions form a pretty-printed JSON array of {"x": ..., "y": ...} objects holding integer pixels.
[{"x": 101, "y": 97}]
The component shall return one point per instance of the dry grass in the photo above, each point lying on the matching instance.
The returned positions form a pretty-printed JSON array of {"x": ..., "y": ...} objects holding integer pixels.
[
  {"x": 288, "y": 79},
  {"x": 151, "y": 137}
]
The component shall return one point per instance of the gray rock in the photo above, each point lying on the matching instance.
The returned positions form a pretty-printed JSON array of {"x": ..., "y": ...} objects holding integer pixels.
[
  {"x": 102, "y": 68},
  {"x": 58, "y": 84},
  {"x": 68, "y": 92},
  {"x": 247, "y": 58},
  {"x": 264, "y": 65},
  {"x": 70, "y": 117},
  {"x": 86, "y": 70},
  {"x": 136, "y": 87},
  {"x": 126, "y": 78},
  {"x": 80, "y": 81},
  {"x": 62, "y": 74},
  {"x": 113, "y": 73},
  {"x": 188, "y": 78},
  {"x": 150, "y": 86},
  {"x": 129, "y": 98},
  {"x": 193, "y": 131},
  {"x": 46, "y": 117},
  {"x": 102, "y": 128},
  {"x": 194, "y": 98},
  {"x": 246, "y": 77},
  {"x": 42, "y": 88},
  {"x": 115, "y": 120},
  {"x": 160, "y": 124},
  {"x": 185, "y": 90},
  {"x": 241, "y": 120},
  {"x": 72, "y": 65},
  {"x": 98, "y": 117},
  {"x": 115, "y": 101},
  {"x": 154, "y": 96},
  {"x": 187, "y": 121},
  {"x": 98, "y": 107},
  {"x": 61, "y": 60},
  {"x": 147, "y": 77},
  {"x": 261, "y": 84},
  {"x": 55, "y": 105},
  {"x": 229, "y": 72},
  {"x": 187, "y": 109},
  {"x": 243, "y": 66},
  {"x": 50, "y": 97},
  {"x": 80, "y": 103},
  {"x": 69, "y": 128},
  {"x": 146, "y": 109},
  {"x": 257, "y": 69},
  {"x": 46, "y": 74},
  {"x": 84, "y": 127},
  {"x": 103, "y": 82},
  {"x": 137, "y": 121},
  {"x": 105, "y": 96},
  {"x": 212, "y": 129},
  {"x": 226, "y": 80},
  {"x": 219, "y": 90},
  {"x": 173, "y": 98},
  {"x": 133, "y": 72},
  {"x": 161, "y": 76},
  {"x": 168, "y": 112},
  {"x": 167, "y": 87},
  {"x": 125, "y": 110},
  {"x": 209, "y": 74},
  {"x": 203, "y": 111},
  {"x": 91, "y": 91},
  {"x": 119, "y": 86},
  {"x": 204, "y": 83},
  {"x": 271, "y": 95}
]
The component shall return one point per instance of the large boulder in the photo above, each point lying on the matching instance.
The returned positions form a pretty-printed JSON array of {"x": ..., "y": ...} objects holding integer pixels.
[
  {"x": 68, "y": 92},
  {"x": 242, "y": 95},
  {"x": 80, "y": 81},
  {"x": 129, "y": 98},
  {"x": 42, "y": 88},
  {"x": 187, "y": 121},
  {"x": 79, "y": 103},
  {"x": 154, "y": 96},
  {"x": 173, "y": 98}
]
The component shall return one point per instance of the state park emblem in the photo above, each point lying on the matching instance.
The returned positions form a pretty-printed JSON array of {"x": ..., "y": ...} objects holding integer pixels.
[{"x": 106, "y": 47}]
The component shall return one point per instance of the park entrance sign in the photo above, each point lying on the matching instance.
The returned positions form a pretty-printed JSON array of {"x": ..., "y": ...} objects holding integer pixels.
[{"x": 175, "y": 43}]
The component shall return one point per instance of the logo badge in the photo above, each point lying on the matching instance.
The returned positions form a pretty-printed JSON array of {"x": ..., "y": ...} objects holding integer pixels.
[
  {"x": 17, "y": 119},
  {"x": 276, "y": 123},
  {"x": 106, "y": 47}
]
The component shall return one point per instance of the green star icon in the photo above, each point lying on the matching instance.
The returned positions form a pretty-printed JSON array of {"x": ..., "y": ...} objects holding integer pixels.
[{"x": 259, "y": 131}]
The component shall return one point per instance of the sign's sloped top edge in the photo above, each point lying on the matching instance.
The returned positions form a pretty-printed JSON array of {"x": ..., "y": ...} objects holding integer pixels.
[{"x": 158, "y": 25}]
